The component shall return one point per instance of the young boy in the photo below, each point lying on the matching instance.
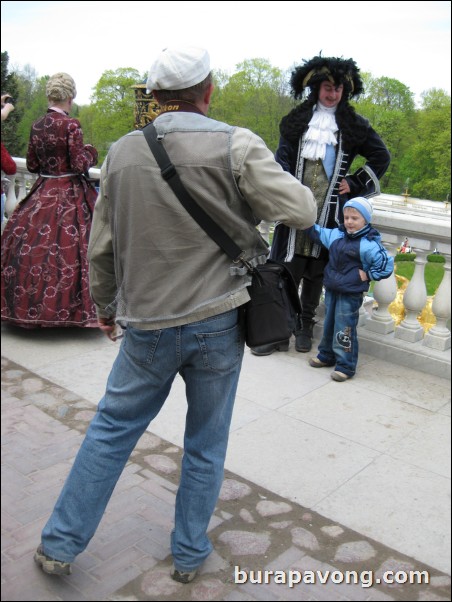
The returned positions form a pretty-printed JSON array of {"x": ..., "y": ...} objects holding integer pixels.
[{"x": 356, "y": 256}]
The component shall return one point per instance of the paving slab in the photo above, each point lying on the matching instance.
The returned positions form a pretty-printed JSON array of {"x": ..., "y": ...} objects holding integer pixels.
[{"x": 266, "y": 546}]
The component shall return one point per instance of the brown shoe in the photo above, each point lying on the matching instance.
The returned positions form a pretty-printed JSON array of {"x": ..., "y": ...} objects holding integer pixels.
[
  {"x": 51, "y": 566},
  {"x": 339, "y": 377},
  {"x": 182, "y": 577},
  {"x": 316, "y": 363}
]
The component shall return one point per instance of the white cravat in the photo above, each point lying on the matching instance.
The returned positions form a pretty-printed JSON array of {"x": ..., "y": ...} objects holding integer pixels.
[{"x": 321, "y": 131}]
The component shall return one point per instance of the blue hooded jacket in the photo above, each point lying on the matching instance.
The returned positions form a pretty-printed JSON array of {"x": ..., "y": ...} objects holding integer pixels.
[{"x": 348, "y": 253}]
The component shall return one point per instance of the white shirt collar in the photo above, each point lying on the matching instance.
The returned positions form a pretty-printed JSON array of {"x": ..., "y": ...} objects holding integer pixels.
[{"x": 321, "y": 131}]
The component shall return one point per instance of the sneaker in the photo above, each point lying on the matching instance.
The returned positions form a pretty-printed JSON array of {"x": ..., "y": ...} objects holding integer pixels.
[
  {"x": 269, "y": 349},
  {"x": 316, "y": 363},
  {"x": 182, "y": 577},
  {"x": 339, "y": 377},
  {"x": 51, "y": 566}
]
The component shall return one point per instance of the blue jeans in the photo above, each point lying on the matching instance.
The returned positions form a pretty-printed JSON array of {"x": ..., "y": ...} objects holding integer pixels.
[
  {"x": 208, "y": 355},
  {"x": 339, "y": 344}
]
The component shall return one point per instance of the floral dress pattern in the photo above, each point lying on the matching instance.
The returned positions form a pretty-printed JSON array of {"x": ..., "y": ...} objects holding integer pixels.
[{"x": 44, "y": 270}]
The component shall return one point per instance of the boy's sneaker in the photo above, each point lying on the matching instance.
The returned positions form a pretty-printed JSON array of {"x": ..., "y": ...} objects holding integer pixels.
[
  {"x": 51, "y": 566},
  {"x": 339, "y": 377},
  {"x": 316, "y": 363},
  {"x": 182, "y": 577}
]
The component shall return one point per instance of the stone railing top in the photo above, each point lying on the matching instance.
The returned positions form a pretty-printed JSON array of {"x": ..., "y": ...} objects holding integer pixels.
[
  {"x": 417, "y": 224},
  {"x": 397, "y": 204},
  {"x": 21, "y": 164}
]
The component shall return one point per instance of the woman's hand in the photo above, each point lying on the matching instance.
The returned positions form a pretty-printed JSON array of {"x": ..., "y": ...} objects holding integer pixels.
[{"x": 7, "y": 106}]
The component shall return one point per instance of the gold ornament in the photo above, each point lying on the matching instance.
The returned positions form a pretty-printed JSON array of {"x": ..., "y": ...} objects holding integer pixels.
[{"x": 397, "y": 310}]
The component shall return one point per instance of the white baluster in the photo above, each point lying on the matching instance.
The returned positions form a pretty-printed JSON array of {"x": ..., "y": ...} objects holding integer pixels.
[
  {"x": 414, "y": 300},
  {"x": 30, "y": 179},
  {"x": 385, "y": 291},
  {"x": 22, "y": 187},
  {"x": 11, "y": 199},
  {"x": 363, "y": 312},
  {"x": 438, "y": 337}
]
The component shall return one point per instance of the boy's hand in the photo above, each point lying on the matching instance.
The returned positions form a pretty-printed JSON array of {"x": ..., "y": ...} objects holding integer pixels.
[{"x": 363, "y": 276}]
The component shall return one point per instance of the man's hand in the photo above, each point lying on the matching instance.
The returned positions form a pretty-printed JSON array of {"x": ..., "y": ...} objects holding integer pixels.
[
  {"x": 344, "y": 188},
  {"x": 112, "y": 330}
]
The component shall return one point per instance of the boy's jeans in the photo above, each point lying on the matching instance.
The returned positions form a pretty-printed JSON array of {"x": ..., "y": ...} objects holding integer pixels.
[
  {"x": 208, "y": 355},
  {"x": 339, "y": 344}
]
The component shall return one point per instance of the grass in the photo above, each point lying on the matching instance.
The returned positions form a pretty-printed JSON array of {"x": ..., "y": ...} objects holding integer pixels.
[{"x": 434, "y": 273}]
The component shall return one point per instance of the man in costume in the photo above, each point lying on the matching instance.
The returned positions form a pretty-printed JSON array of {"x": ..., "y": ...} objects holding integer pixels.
[{"x": 320, "y": 138}]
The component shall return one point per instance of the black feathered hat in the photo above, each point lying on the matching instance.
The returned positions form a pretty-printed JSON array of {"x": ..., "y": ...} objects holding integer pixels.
[{"x": 336, "y": 70}]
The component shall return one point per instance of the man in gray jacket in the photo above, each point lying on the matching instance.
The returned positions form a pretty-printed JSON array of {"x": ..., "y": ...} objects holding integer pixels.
[{"x": 158, "y": 275}]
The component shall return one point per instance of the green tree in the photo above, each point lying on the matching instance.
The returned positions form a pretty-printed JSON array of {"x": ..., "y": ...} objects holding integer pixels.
[
  {"x": 427, "y": 162},
  {"x": 113, "y": 105},
  {"x": 389, "y": 106},
  {"x": 254, "y": 97},
  {"x": 86, "y": 116},
  {"x": 389, "y": 93},
  {"x": 9, "y": 85},
  {"x": 257, "y": 96},
  {"x": 34, "y": 106}
]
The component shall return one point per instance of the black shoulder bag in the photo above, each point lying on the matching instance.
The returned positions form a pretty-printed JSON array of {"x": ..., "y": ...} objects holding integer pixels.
[{"x": 271, "y": 313}]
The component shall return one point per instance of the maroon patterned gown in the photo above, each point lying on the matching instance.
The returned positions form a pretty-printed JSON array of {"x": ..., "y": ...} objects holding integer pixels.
[{"x": 45, "y": 241}]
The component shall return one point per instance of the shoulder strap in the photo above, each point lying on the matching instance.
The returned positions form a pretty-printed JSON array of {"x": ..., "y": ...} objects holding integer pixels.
[{"x": 170, "y": 174}]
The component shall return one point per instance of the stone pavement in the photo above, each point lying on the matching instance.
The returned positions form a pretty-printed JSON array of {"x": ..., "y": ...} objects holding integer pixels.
[{"x": 253, "y": 528}]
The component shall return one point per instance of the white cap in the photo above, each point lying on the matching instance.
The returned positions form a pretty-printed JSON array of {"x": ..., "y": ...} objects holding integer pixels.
[{"x": 178, "y": 68}]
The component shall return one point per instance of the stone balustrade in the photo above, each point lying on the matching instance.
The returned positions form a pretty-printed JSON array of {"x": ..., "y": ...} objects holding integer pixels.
[
  {"x": 19, "y": 184},
  {"x": 427, "y": 226}
]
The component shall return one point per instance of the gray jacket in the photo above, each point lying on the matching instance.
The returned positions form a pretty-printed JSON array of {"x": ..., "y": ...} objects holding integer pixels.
[{"x": 151, "y": 265}]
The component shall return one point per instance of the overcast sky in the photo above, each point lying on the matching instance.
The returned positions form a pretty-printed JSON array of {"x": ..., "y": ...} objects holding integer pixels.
[{"x": 406, "y": 41}]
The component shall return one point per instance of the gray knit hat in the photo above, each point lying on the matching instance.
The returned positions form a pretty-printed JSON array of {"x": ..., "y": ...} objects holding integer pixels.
[{"x": 363, "y": 205}]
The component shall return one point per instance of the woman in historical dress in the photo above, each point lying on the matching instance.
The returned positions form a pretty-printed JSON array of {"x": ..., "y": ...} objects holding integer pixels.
[{"x": 45, "y": 242}]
